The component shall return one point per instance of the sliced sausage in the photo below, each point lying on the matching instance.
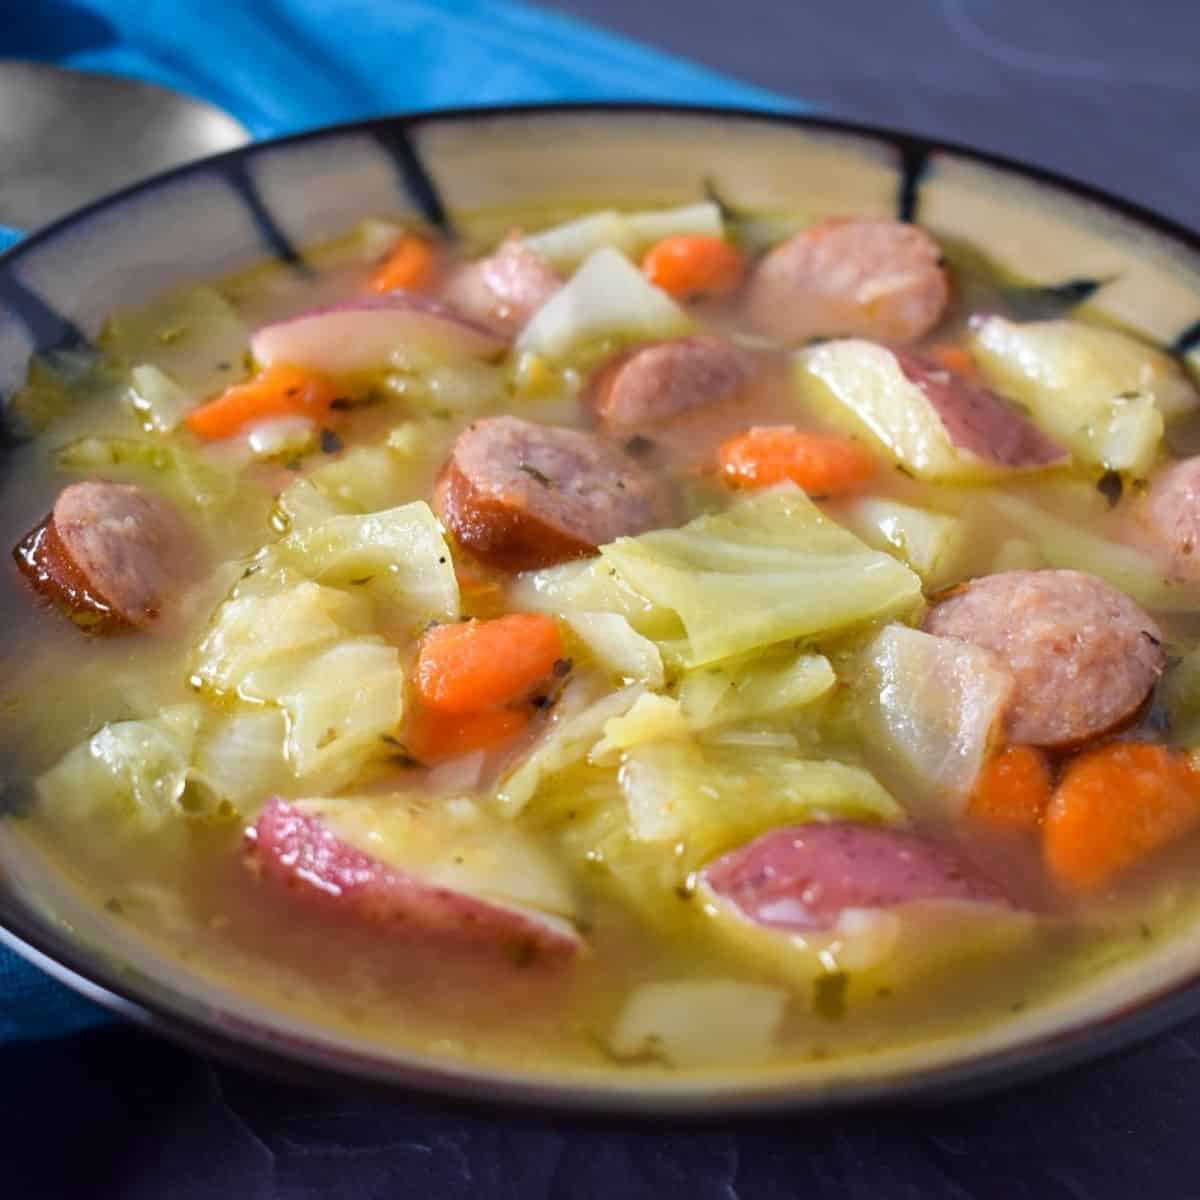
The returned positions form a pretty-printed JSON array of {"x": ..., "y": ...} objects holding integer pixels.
[
  {"x": 1083, "y": 655},
  {"x": 504, "y": 289},
  {"x": 652, "y": 384},
  {"x": 112, "y": 554},
  {"x": 805, "y": 876},
  {"x": 521, "y": 495},
  {"x": 1173, "y": 512},
  {"x": 979, "y": 421},
  {"x": 851, "y": 277},
  {"x": 300, "y": 853}
]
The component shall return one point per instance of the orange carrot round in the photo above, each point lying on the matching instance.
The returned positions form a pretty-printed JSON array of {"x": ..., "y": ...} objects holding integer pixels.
[
  {"x": 822, "y": 465},
  {"x": 1115, "y": 806},
  {"x": 473, "y": 666},
  {"x": 1013, "y": 791},
  {"x": 410, "y": 265},
  {"x": 689, "y": 266},
  {"x": 275, "y": 392},
  {"x": 432, "y": 737}
]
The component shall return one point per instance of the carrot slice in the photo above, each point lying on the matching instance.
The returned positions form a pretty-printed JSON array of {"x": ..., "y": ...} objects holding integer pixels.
[
  {"x": 432, "y": 737},
  {"x": 276, "y": 392},
  {"x": 410, "y": 265},
  {"x": 1013, "y": 791},
  {"x": 692, "y": 265},
  {"x": 474, "y": 666},
  {"x": 1114, "y": 806},
  {"x": 820, "y": 464}
]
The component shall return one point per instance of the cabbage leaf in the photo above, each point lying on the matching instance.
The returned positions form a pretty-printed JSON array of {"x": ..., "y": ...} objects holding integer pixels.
[
  {"x": 932, "y": 707},
  {"x": 1099, "y": 391},
  {"x": 769, "y": 569},
  {"x": 608, "y": 297}
]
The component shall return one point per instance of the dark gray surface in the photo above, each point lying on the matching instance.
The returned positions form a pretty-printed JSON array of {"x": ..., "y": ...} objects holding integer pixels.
[{"x": 1108, "y": 92}]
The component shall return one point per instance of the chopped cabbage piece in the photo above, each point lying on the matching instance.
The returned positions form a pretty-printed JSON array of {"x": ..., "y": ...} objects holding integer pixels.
[
  {"x": 59, "y": 382},
  {"x": 761, "y": 688},
  {"x": 363, "y": 479},
  {"x": 340, "y": 702},
  {"x": 1100, "y": 392},
  {"x": 158, "y": 400},
  {"x": 136, "y": 777},
  {"x": 651, "y": 719},
  {"x": 1062, "y": 543},
  {"x": 399, "y": 555},
  {"x": 367, "y": 478},
  {"x": 430, "y": 385},
  {"x": 933, "y": 544},
  {"x": 182, "y": 474},
  {"x": 712, "y": 798},
  {"x": 769, "y": 569},
  {"x": 130, "y": 774},
  {"x": 281, "y": 438},
  {"x": 1072, "y": 361},
  {"x": 617, "y": 647},
  {"x": 591, "y": 585},
  {"x": 607, "y": 297},
  {"x": 575, "y": 725},
  {"x": 193, "y": 335},
  {"x": 932, "y": 706},
  {"x": 860, "y": 386},
  {"x": 698, "y": 1022},
  {"x": 240, "y": 758},
  {"x": 482, "y": 854},
  {"x": 253, "y": 628}
]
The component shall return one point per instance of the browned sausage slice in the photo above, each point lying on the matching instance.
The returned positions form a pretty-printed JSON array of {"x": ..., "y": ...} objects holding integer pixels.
[
  {"x": 299, "y": 853},
  {"x": 652, "y": 384},
  {"x": 1173, "y": 512},
  {"x": 805, "y": 876},
  {"x": 504, "y": 289},
  {"x": 1083, "y": 655},
  {"x": 521, "y": 495},
  {"x": 112, "y": 554},
  {"x": 979, "y": 421},
  {"x": 851, "y": 277}
]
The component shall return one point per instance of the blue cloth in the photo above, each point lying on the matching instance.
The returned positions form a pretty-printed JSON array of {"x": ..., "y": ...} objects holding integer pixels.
[{"x": 285, "y": 65}]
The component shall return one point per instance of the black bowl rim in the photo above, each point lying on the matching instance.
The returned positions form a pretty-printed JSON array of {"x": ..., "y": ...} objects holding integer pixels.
[{"x": 243, "y": 1043}]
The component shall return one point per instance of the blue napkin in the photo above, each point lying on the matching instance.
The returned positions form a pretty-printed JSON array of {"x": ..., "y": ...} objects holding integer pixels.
[{"x": 284, "y": 65}]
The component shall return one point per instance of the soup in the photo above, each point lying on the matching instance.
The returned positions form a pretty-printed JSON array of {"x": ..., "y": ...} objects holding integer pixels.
[{"x": 662, "y": 641}]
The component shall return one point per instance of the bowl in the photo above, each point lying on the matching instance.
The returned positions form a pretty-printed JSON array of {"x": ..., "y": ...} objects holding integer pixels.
[{"x": 267, "y": 199}]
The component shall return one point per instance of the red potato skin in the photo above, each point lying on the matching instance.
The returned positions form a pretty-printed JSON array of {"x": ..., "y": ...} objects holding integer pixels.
[
  {"x": 298, "y": 855},
  {"x": 111, "y": 555},
  {"x": 590, "y": 494},
  {"x": 979, "y": 421},
  {"x": 649, "y": 385},
  {"x": 1083, "y": 656},
  {"x": 851, "y": 277},
  {"x": 803, "y": 877}
]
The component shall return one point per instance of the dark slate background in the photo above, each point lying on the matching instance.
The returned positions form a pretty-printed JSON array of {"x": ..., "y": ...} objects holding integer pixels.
[{"x": 1106, "y": 91}]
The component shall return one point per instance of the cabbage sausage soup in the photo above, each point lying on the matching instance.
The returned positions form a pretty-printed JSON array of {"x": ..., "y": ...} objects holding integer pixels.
[{"x": 657, "y": 641}]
